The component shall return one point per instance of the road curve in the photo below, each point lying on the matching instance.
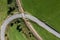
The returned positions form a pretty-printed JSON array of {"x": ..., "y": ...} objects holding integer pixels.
[{"x": 40, "y": 23}]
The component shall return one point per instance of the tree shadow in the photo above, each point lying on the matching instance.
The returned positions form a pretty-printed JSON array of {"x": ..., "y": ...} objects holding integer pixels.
[
  {"x": 10, "y": 10},
  {"x": 9, "y": 1},
  {"x": 19, "y": 28}
]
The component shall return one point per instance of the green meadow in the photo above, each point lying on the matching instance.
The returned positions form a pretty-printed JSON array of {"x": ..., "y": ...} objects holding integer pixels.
[
  {"x": 3, "y": 10},
  {"x": 45, "y": 10}
]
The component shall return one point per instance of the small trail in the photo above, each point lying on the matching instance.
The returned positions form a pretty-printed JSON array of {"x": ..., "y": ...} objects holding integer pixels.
[{"x": 28, "y": 24}]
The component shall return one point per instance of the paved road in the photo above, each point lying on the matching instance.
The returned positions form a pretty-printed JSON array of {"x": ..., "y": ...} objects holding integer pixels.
[{"x": 40, "y": 23}]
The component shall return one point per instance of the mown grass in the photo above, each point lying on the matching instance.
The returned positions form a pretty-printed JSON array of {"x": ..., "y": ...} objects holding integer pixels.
[
  {"x": 47, "y": 11},
  {"x": 3, "y": 10},
  {"x": 43, "y": 33},
  {"x": 14, "y": 34}
]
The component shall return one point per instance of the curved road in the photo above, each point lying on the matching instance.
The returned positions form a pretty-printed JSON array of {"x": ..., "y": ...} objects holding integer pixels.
[{"x": 40, "y": 23}]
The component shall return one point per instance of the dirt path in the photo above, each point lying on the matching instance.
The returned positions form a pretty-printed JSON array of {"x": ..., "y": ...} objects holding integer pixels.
[{"x": 28, "y": 24}]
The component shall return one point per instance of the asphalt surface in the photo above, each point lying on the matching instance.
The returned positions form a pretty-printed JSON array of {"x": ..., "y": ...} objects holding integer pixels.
[{"x": 40, "y": 23}]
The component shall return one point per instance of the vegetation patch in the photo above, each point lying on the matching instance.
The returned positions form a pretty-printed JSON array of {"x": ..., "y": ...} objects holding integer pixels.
[
  {"x": 45, "y": 10},
  {"x": 17, "y": 30}
]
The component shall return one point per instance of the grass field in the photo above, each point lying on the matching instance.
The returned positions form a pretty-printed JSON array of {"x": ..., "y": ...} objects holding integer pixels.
[
  {"x": 3, "y": 10},
  {"x": 46, "y": 10},
  {"x": 14, "y": 34},
  {"x": 43, "y": 33}
]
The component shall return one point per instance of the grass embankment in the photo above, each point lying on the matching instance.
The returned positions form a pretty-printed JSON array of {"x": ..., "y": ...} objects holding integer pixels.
[{"x": 46, "y": 10}]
